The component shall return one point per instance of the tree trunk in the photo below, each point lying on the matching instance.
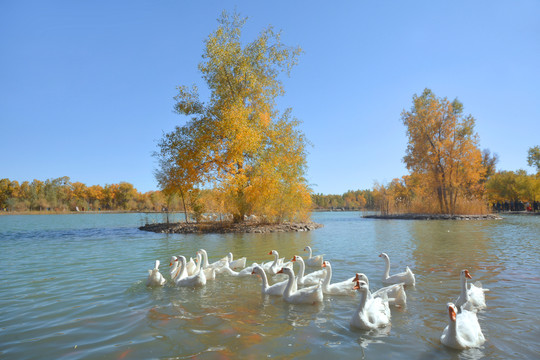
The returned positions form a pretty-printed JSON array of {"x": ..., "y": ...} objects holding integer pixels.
[{"x": 184, "y": 205}]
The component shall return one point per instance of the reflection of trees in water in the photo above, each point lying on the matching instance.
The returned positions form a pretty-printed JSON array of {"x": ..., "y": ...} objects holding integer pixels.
[
  {"x": 254, "y": 247},
  {"x": 441, "y": 250},
  {"x": 391, "y": 237},
  {"x": 444, "y": 248}
]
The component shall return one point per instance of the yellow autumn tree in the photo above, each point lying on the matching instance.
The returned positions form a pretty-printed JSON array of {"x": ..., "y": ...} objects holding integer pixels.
[
  {"x": 442, "y": 151},
  {"x": 238, "y": 139}
]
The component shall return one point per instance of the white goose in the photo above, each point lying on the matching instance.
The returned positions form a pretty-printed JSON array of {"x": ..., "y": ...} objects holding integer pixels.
[
  {"x": 472, "y": 299},
  {"x": 344, "y": 287},
  {"x": 244, "y": 272},
  {"x": 371, "y": 313},
  {"x": 209, "y": 272},
  {"x": 154, "y": 276},
  {"x": 199, "y": 279},
  {"x": 274, "y": 267},
  {"x": 314, "y": 261},
  {"x": 174, "y": 271},
  {"x": 236, "y": 264},
  {"x": 463, "y": 330},
  {"x": 309, "y": 279},
  {"x": 275, "y": 289},
  {"x": 307, "y": 295},
  {"x": 406, "y": 277},
  {"x": 191, "y": 267},
  {"x": 216, "y": 265},
  {"x": 395, "y": 294}
]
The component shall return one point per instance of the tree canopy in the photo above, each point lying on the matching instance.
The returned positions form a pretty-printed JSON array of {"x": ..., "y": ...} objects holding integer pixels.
[
  {"x": 238, "y": 141},
  {"x": 533, "y": 157},
  {"x": 442, "y": 152}
]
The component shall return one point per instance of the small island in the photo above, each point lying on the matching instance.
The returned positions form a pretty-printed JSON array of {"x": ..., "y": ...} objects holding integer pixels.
[{"x": 229, "y": 227}]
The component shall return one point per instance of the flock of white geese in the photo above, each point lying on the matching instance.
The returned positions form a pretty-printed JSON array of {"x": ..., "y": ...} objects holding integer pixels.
[{"x": 463, "y": 330}]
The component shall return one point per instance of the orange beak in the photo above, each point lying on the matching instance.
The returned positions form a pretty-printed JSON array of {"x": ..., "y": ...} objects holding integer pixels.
[
  {"x": 294, "y": 258},
  {"x": 452, "y": 313},
  {"x": 357, "y": 286},
  {"x": 467, "y": 274},
  {"x": 356, "y": 278},
  {"x": 324, "y": 264},
  {"x": 270, "y": 253},
  {"x": 280, "y": 271}
]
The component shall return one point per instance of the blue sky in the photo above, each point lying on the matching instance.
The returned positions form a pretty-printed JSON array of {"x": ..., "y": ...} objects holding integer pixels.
[{"x": 87, "y": 87}]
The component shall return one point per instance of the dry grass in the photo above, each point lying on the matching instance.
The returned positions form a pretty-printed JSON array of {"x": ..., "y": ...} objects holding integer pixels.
[{"x": 431, "y": 206}]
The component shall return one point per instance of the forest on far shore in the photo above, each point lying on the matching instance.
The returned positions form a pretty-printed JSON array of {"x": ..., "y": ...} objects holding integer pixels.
[{"x": 62, "y": 195}]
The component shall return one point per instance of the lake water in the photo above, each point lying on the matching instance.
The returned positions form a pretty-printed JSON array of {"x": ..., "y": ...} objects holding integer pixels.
[{"x": 73, "y": 287}]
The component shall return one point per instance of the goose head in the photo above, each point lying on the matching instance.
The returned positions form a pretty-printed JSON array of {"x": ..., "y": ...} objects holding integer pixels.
[
  {"x": 452, "y": 311},
  {"x": 465, "y": 273},
  {"x": 256, "y": 270},
  {"x": 182, "y": 259},
  {"x": 384, "y": 256},
  {"x": 326, "y": 264},
  {"x": 286, "y": 271},
  {"x": 361, "y": 277},
  {"x": 361, "y": 286},
  {"x": 201, "y": 251},
  {"x": 173, "y": 260}
]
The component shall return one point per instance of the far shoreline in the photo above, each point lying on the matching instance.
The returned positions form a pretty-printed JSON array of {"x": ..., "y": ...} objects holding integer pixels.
[{"x": 410, "y": 216}]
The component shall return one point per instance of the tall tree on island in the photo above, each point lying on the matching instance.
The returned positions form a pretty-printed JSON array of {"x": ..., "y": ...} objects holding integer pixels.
[
  {"x": 238, "y": 140},
  {"x": 443, "y": 150}
]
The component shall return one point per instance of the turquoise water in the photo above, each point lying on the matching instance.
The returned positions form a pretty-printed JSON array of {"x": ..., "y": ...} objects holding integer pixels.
[{"x": 73, "y": 287}]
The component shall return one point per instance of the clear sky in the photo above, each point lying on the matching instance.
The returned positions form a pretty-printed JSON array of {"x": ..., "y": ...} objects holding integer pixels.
[{"x": 87, "y": 87}]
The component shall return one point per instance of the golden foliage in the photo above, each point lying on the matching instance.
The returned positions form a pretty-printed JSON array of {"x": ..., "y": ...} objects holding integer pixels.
[
  {"x": 62, "y": 195},
  {"x": 238, "y": 141},
  {"x": 442, "y": 152}
]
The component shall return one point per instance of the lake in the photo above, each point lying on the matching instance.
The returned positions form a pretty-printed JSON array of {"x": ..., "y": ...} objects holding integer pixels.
[{"x": 73, "y": 287}]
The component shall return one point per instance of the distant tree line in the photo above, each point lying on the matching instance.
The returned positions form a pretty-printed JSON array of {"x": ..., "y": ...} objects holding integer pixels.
[
  {"x": 514, "y": 191},
  {"x": 61, "y": 195},
  {"x": 351, "y": 200}
]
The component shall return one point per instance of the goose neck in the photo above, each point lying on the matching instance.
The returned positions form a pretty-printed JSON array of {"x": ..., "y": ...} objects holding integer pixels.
[
  {"x": 174, "y": 268},
  {"x": 328, "y": 277},
  {"x": 302, "y": 267},
  {"x": 363, "y": 299},
  {"x": 183, "y": 270},
  {"x": 276, "y": 256},
  {"x": 387, "y": 267},
  {"x": 290, "y": 284},
  {"x": 452, "y": 330},
  {"x": 198, "y": 266},
  {"x": 464, "y": 294}
]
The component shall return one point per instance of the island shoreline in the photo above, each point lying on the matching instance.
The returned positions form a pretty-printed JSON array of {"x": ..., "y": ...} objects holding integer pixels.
[{"x": 228, "y": 227}]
